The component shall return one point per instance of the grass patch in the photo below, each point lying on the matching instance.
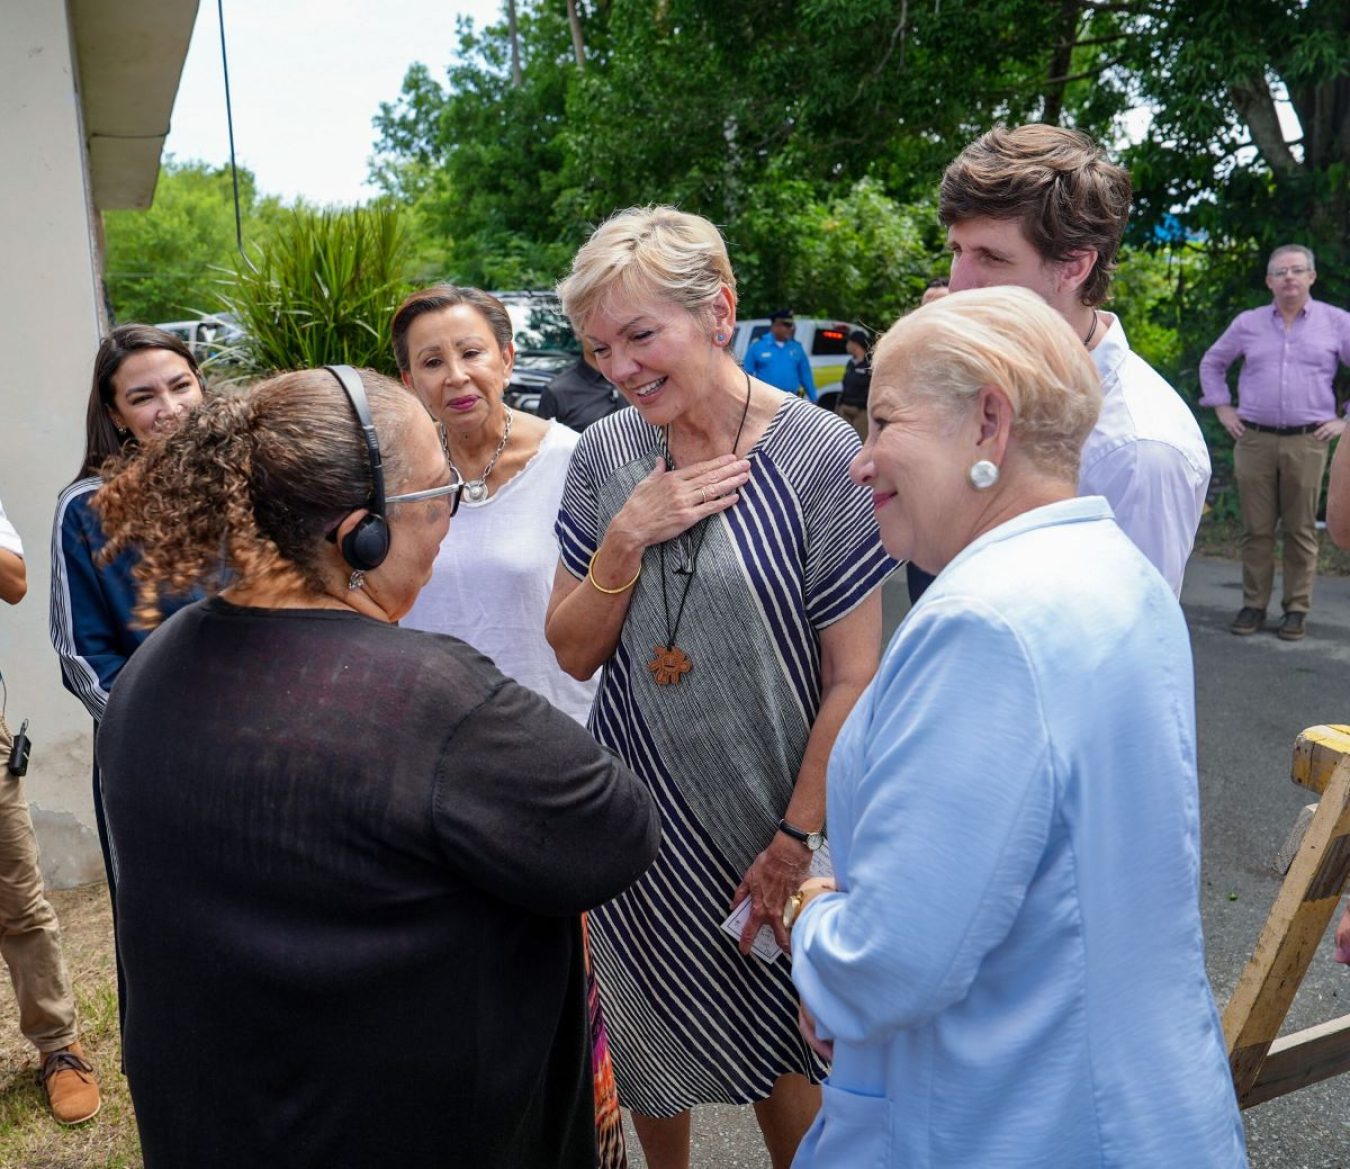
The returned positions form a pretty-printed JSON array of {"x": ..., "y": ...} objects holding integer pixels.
[
  {"x": 28, "y": 1134},
  {"x": 1219, "y": 537}
]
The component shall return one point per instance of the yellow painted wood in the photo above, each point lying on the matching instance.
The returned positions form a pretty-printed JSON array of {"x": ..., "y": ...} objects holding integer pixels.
[{"x": 1316, "y": 753}]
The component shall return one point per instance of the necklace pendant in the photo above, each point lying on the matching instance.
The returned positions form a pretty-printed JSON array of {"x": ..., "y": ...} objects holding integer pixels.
[
  {"x": 475, "y": 491},
  {"x": 669, "y": 664}
]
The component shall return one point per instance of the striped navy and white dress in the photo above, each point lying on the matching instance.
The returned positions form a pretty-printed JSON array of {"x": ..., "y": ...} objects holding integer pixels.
[{"x": 691, "y": 1021}]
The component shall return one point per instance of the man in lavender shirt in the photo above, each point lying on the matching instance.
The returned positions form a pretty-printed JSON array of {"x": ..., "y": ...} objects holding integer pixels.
[{"x": 1282, "y": 428}]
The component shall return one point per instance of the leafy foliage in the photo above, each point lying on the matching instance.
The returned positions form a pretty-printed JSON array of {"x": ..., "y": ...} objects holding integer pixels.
[
  {"x": 768, "y": 116},
  {"x": 322, "y": 290},
  {"x": 164, "y": 264},
  {"x": 1217, "y": 159},
  {"x": 807, "y": 128}
]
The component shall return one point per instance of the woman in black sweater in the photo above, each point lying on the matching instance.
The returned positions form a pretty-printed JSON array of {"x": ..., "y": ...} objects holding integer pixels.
[{"x": 351, "y": 857}]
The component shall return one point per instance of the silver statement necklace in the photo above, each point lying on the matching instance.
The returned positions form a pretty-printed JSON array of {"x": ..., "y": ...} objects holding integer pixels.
[{"x": 476, "y": 490}]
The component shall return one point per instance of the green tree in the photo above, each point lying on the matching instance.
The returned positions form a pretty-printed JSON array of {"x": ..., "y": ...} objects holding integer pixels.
[
  {"x": 725, "y": 110},
  {"x": 165, "y": 263},
  {"x": 481, "y": 159},
  {"x": 769, "y": 116},
  {"x": 859, "y": 253}
]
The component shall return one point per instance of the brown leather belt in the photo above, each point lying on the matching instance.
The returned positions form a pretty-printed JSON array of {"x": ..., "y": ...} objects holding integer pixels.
[{"x": 1282, "y": 431}]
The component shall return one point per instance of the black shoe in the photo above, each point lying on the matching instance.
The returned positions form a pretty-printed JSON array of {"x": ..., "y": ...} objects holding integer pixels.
[
  {"x": 1249, "y": 620},
  {"x": 1292, "y": 627}
]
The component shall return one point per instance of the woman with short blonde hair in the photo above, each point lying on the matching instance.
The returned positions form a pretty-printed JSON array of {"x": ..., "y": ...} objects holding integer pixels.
[
  {"x": 1012, "y": 802},
  {"x": 946, "y": 355},
  {"x": 720, "y": 569}
]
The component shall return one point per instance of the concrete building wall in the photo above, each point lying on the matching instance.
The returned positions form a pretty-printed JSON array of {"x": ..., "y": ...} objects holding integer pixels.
[{"x": 49, "y": 323}]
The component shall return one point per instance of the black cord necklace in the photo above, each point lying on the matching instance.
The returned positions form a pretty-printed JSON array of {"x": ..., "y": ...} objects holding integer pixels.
[{"x": 670, "y": 663}]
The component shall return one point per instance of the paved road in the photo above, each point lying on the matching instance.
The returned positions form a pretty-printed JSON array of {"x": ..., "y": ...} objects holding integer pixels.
[{"x": 1253, "y": 696}]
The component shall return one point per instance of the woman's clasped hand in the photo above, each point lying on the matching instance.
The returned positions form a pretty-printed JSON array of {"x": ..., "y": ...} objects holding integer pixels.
[{"x": 667, "y": 503}]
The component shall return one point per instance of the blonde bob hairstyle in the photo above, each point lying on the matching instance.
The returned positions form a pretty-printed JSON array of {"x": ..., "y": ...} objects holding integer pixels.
[
  {"x": 947, "y": 351},
  {"x": 645, "y": 252}
]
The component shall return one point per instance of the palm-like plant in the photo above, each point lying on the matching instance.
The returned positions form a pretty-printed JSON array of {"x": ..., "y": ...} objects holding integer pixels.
[{"x": 321, "y": 291}]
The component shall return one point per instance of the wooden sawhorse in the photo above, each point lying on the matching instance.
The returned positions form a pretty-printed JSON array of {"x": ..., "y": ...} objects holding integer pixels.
[{"x": 1265, "y": 1066}]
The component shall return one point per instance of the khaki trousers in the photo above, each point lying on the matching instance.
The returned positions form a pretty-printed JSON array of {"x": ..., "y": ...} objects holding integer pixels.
[
  {"x": 855, "y": 416},
  {"x": 1279, "y": 477},
  {"x": 30, "y": 936}
]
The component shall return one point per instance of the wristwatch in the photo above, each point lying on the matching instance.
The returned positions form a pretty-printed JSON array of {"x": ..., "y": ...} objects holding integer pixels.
[
  {"x": 812, "y": 840},
  {"x": 791, "y": 907}
]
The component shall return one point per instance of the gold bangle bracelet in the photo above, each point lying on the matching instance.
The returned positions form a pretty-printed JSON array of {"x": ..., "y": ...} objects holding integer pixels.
[{"x": 590, "y": 576}]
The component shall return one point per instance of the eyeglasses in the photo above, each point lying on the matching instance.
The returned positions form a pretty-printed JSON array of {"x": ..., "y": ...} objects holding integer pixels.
[
  {"x": 452, "y": 491},
  {"x": 1298, "y": 270}
]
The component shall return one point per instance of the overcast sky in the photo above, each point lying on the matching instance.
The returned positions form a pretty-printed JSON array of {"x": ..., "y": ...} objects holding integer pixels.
[{"x": 306, "y": 78}]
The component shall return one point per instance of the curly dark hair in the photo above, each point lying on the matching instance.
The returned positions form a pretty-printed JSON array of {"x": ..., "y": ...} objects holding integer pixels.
[
  {"x": 101, "y": 440},
  {"x": 247, "y": 488},
  {"x": 1057, "y": 183}
]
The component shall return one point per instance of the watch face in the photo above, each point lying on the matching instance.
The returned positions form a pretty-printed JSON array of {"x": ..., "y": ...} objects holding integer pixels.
[{"x": 814, "y": 840}]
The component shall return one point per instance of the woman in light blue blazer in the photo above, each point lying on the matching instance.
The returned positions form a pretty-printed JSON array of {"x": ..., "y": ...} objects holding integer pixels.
[{"x": 1007, "y": 967}]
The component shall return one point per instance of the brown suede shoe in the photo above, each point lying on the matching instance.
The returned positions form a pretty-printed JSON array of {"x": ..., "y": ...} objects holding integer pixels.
[
  {"x": 72, "y": 1090},
  {"x": 1292, "y": 628},
  {"x": 1248, "y": 621}
]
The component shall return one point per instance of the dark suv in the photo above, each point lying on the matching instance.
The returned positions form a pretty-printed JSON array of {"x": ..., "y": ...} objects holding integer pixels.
[{"x": 545, "y": 345}]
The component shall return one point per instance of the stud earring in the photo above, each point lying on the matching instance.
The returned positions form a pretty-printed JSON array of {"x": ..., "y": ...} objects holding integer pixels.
[
  {"x": 983, "y": 475},
  {"x": 356, "y": 580},
  {"x": 721, "y": 337}
]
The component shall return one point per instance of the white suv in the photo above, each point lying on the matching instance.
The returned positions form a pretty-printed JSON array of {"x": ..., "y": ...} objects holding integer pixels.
[{"x": 825, "y": 341}]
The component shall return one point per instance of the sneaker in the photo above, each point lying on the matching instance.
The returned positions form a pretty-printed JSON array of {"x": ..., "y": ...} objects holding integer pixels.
[
  {"x": 1247, "y": 621},
  {"x": 72, "y": 1090},
  {"x": 1292, "y": 627}
]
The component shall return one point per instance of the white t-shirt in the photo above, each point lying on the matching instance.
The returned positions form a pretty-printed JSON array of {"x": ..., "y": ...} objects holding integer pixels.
[
  {"x": 1146, "y": 455},
  {"x": 9, "y": 538},
  {"x": 494, "y": 576}
]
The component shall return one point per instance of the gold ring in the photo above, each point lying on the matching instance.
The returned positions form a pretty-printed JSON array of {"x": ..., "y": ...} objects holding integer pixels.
[{"x": 702, "y": 496}]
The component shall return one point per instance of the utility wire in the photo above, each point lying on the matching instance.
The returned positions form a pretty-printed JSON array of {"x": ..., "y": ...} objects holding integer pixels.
[{"x": 229, "y": 121}]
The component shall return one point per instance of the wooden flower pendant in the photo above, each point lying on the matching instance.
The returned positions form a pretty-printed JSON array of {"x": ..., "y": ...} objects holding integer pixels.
[{"x": 669, "y": 664}]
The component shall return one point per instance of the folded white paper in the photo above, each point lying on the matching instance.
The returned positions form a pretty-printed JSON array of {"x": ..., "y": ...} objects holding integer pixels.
[{"x": 764, "y": 945}]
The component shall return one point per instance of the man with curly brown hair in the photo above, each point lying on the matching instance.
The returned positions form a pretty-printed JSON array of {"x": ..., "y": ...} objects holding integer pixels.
[{"x": 1042, "y": 207}]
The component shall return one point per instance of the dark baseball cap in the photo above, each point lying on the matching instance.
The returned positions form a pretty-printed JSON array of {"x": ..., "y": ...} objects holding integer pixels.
[{"x": 783, "y": 314}]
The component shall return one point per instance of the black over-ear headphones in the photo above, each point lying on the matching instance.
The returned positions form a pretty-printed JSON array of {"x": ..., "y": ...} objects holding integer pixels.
[{"x": 367, "y": 544}]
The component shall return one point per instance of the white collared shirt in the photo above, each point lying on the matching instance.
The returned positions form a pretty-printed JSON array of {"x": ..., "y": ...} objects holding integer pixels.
[{"x": 1146, "y": 455}]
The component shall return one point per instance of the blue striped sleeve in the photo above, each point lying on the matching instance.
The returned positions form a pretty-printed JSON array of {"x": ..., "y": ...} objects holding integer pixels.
[
  {"x": 844, "y": 557},
  {"x": 578, "y": 513}
]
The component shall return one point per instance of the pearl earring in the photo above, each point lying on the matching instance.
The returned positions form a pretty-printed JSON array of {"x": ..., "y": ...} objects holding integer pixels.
[{"x": 983, "y": 475}]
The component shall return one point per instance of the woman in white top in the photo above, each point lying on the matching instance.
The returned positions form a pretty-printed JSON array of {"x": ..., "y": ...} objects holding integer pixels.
[{"x": 492, "y": 583}]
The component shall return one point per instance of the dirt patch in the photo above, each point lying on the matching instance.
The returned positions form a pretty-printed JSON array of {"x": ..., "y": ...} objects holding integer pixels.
[{"x": 1220, "y": 538}]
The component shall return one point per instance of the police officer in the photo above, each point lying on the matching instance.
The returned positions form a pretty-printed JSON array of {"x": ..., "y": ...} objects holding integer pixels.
[{"x": 780, "y": 360}]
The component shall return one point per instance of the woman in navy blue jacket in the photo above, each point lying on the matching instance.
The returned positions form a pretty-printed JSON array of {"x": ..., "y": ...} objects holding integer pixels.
[{"x": 145, "y": 382}]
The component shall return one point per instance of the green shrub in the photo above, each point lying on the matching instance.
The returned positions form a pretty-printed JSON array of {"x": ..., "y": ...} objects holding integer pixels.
[{"x": 322, "y": 291}]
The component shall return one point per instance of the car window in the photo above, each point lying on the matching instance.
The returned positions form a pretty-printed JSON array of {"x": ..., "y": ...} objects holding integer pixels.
[
  {"x": 830, "y": 341},
  {"x": 541, "y": 327},
  {"x": 757, "y": 332}
]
